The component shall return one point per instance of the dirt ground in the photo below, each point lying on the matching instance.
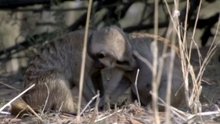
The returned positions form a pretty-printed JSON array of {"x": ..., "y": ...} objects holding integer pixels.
[{"x": 130, "y": 113}]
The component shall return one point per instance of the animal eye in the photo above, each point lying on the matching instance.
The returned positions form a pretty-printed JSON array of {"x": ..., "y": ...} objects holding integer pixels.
[
  {"x": 100, "y": 55},
  {"x": 122, "y": 62},
  {"x": 148, "y": 85}
]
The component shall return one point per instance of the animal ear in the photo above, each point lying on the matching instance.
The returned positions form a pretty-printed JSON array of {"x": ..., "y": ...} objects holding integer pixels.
[{"x": 124, "y": 35}]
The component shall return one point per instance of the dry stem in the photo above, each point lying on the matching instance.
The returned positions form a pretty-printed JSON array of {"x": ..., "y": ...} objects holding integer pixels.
[
  {"x": 154, "y": 49},
  {"x": 83, "y": 60},
  {"x": 8, "y": 104}
]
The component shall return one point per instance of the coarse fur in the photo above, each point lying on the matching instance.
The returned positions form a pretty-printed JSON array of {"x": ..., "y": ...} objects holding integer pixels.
[
  {"x": 55, "y": 70},
  {"x": 115, "y": 49}
]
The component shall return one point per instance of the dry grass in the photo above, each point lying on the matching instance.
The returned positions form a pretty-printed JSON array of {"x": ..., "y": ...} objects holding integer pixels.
[
  {"x": 192, "y": 93},
  {"x": 83, "y": 60},
  {"x": 133, "y": 113}
]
